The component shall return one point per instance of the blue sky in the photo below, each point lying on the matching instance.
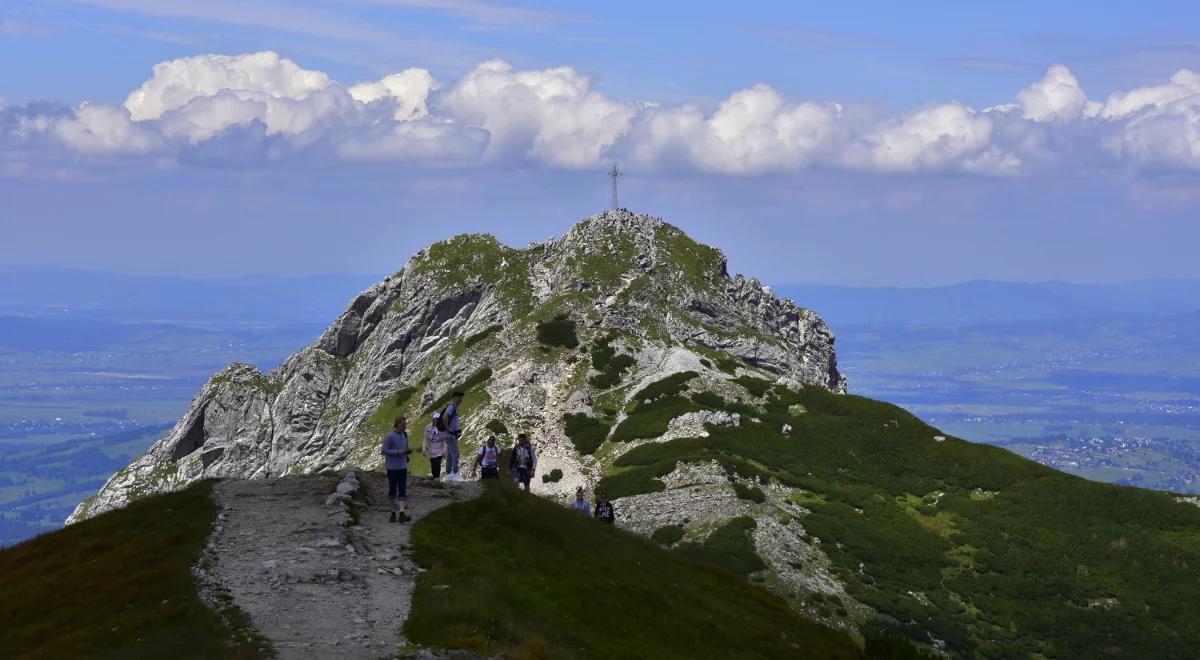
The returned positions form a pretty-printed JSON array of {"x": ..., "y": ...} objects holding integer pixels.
[{"x": 869, "y": 144}]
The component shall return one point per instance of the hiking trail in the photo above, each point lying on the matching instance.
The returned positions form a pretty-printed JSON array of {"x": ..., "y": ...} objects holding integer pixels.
[{"x": 314, "y": 582}]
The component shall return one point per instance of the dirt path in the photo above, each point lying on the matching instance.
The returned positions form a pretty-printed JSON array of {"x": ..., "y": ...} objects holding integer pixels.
[{"x": 315, "y": 584}]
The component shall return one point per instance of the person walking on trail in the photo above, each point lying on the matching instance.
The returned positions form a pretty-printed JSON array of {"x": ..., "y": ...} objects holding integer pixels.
[
  {"x": 451, "y": 426},
  {"x": 489, "y": 458},
  {"x": 395, "y": 451},
  {"x": 604, "y": 509},
  {"x": 580, "y": 504},
  {"x": 434, "y": 446},
  {"x": 523, "y": 463}
]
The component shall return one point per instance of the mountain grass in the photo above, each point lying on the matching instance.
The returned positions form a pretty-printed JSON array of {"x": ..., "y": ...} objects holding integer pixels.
[
  {"x": 650, "y": 420},
  {"x": 669, "y": 386},
  {"x": 509, "y": 573},
  {"x": 120, "y": 585},
  {"x": 730, "y": 546},
  {"x": 477, "y": 378},
  {"x": 612, "y": 367},
  {"x": 1051, "y": 564}
]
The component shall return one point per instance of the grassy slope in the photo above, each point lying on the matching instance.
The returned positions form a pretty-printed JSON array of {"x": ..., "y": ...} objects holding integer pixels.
[
  {"x": 1006, "y": 557},
  {"x": 118, "y": 585},
  {"x": 533, "y": 579}
]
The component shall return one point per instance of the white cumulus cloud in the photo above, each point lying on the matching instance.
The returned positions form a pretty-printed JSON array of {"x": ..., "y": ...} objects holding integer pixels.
[{"x": 261, "y": 108}]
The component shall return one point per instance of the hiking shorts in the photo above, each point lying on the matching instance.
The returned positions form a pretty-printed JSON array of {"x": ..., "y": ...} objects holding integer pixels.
[
  {"x": 490, "y": 473},
  {"x": 523, "y": 476},
  {"x": 397, "y": 484}
]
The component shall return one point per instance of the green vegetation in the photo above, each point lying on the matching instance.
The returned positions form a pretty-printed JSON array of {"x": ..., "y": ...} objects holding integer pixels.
[
  {"x": 612, "y": 367},
  {"x": 667, "y": 534},
  {"x": 730, "y": 546},
  {"x": 555, "y": 476},
  {"x": 472, "y": 260},
  {"x": 478, "y": 337},
  {"x": 477, "y": 378},
  {"x": 669, "y": 386},
  {"x": 392, "y": 406},
  {"x": 586, "y": 433},
  {"x": 650, "y": 420},
  {"x": 724, "y": 361},
  {"x": 120, "y": 585},
  {"x": 497, "y": 427},
  {"x": 513, "y": 574},
  {"x": 755, "y": 386},
  {"x": 1047, "y": 564},
  {"x": 751, "y": 493},
  {"x": 557, "y": 332}
]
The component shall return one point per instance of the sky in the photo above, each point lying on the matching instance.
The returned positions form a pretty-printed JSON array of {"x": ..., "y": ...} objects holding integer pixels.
[{"x": 872, "y": 143}]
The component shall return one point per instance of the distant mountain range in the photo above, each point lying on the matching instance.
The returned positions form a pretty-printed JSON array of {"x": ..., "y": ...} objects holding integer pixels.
[
  {"x": 984, "y": 301},
  {"x": 71, "y": 293}
]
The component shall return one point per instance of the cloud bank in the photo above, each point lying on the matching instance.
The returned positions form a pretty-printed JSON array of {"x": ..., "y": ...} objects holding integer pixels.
[{"x": 260, "y": 109}]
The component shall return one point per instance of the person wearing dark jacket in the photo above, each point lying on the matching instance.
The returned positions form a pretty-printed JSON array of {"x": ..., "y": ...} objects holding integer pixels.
[
  {"x": 523, "y": 462},
  {"x": 604, "y": 509}
]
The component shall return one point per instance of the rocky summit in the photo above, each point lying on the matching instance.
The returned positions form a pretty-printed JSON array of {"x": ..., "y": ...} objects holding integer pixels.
[{"x": 512, "y": 326}]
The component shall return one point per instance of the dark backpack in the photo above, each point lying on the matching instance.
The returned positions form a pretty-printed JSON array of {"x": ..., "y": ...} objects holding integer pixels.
[{"x": 443, "y": 422}]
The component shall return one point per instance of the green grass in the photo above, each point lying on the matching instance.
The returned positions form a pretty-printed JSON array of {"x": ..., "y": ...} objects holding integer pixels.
[
  {"x": 477, "y": 378},
  {"x": 478, "y": 337},
  {"x": 497, "y": 427},
  {"x": 529, "y": 579},
  {"x": 669, "y": 386},
  {"x": 120, "y": 585},
  {"x": 557, "y": 332},
  {"x": 586, "y": 433},
  {"x": 730, "y": 546},
  {"x": 1010, "y": 575}
]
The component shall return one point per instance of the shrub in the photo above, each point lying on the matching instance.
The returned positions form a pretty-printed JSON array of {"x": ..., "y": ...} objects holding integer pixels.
[
  {"x": 669, "y": 386},
  {"x": 751, "y": 493},
  {"x": 612, "y": 367},
  {"x": 755, "y": 386},
  {"x": 497, "y": 427},
  {"x": 586, "y": 433},
  {"x": 709, "y": 400},
  {"x": 729, "y": 547},
  {"x": 651, "y": 420},
  {"x": 555, "y": 476},
  {"x": 668, "y": 534},
  {"x": 559, "y": 331}
]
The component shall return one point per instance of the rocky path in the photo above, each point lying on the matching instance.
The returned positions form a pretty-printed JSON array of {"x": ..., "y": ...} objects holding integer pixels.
[{"x": 316, "y": 583}]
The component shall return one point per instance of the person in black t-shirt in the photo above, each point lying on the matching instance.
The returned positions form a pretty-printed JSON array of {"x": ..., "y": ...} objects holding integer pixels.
[{"x": 604, "y": 509}]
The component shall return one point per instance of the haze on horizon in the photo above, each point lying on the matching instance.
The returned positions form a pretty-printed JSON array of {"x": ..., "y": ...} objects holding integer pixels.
[{"x": 867, "y": 146}]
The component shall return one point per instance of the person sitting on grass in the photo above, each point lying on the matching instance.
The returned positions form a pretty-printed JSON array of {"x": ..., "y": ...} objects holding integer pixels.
[
  {"x": 434, "y": 446},
  {"x": 604, "y": 509},
  {"x": 580, "y": 504},
  {"x": 396, "y": 450},
  {"x": 489, "y": 458},
  {"x": 523, "y": 463}
]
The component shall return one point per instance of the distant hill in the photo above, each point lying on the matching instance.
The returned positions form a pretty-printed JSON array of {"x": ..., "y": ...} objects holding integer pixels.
[
  {"x": 79, "y": 293},
  {"x": 987, "y": 302}
]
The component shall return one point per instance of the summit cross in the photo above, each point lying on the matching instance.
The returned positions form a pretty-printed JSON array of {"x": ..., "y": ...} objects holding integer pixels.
[{"x": 613, "y": 174}]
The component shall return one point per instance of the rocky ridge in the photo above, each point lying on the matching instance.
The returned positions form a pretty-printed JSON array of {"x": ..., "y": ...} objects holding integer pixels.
[{"x": 519, "y": 329}]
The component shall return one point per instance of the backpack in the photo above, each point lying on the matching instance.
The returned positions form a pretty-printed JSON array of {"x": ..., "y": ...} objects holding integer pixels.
[{"x": 443, "y": 422}]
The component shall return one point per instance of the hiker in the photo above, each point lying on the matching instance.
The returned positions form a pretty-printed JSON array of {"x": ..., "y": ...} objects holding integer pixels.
[
  {"x": 604, "y": 509},
  {"x": 396, "y": 450},
  {"x": 581, "y": 505},
  {"x": 523, "y": 462},
  {"x": 451, "y": 427},
  {"x": 489, "y": 458},
  {"x": 434, "y": 446}
]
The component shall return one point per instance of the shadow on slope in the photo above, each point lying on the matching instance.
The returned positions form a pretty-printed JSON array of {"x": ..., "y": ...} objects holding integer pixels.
[
  {"x": 120, "y": 585},
  {"x": 512, "y": 573}
]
